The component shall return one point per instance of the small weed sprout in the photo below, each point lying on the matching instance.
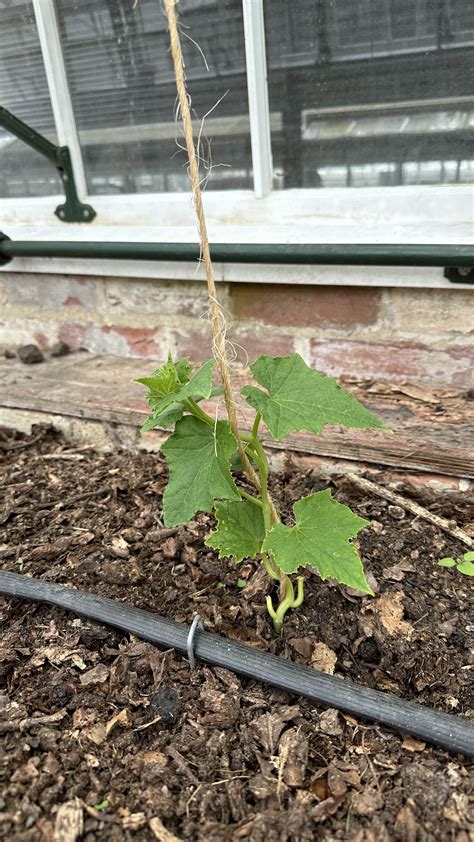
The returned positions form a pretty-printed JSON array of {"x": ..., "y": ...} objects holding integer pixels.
[
  {"x": 206, "y": 472},
  {"x": 464, "y": 565}
]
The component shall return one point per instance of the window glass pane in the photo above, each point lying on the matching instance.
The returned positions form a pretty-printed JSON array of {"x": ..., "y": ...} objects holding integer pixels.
[
  {"x": 24, "y": 92},
  {"x": 368, "y": 93},
  {"x": 122, "y": 85}
]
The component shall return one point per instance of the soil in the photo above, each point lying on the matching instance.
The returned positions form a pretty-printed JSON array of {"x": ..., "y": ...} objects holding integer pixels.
[{"x": 107, "y": 737}]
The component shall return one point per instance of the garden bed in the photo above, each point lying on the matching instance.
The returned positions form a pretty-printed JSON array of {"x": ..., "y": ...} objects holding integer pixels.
[{"x": 130, "y": 742}]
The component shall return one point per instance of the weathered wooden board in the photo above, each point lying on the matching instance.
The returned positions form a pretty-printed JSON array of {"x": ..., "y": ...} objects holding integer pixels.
[{"x": 431, "y": 430}]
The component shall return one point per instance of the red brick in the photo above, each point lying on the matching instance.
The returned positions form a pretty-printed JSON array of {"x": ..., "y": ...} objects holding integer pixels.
[
  {"x": 248, "y": 344},
  {"x": 73, "y": 333},
  {"x": 49, "y": 292},
  {"x": 115, "y": 340},
  {"x": 41, "y": 339},
  {"x": 151, "y": 297},
  {"x": 256, "y": 342},
  {"x": 305, "y": 306},
  {"x": 197, "y": 345},
  {"x": 140, "y": 340},
  {"x": 395, "y": 361}
]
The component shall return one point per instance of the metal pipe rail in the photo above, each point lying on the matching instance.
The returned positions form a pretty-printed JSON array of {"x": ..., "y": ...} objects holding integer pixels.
[{"x": 457, "y": 256}]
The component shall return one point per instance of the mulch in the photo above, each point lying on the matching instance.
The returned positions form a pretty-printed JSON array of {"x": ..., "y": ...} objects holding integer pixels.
[{"x": 107, "y": 737}]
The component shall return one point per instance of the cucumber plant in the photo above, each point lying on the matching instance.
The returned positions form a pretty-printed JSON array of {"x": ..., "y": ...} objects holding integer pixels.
[{"x": 205, "y": 470}]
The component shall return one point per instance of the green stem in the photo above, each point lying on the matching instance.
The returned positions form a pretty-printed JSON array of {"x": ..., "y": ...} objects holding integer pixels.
[
  {"x": 256, "y": 425},
  {"x": 289, "y": 601},
  {"x": 271, "y": 570},
  {"x": 250, "y": 497},
  {"x": 258, "y": 453},
  {"x": 267, "y": 514},
  {"x": 196, "y": 410},
  {"x": 262, "y": 465},
  {"x": 260, "y": 458},
  {"x": 254, "y": 446}
]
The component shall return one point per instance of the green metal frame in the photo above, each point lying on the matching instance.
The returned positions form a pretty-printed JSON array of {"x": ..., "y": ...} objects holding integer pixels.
[
  {"x": 457, "y": 257},
  {"x": 73, "y": 210}
]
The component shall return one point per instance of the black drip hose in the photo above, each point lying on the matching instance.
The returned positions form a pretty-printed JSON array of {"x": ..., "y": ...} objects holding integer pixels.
[{"x": 451, "y": 732}]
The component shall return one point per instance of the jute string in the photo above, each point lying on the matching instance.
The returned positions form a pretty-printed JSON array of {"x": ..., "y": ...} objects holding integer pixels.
[{"x": 217, "y": 319}]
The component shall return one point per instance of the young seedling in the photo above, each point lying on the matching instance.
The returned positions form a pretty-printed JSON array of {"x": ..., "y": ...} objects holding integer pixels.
[
  {"x": 205, "y": 470},
  {"x": 465, "y": 565},
  {"x": 204, "y": 454}
]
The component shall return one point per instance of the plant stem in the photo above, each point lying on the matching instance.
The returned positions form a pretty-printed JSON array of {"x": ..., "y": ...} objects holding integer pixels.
[
  {"x": 250, "y": 497},
  {"x": 196, "y": 410},
  {"x": 289, "y": 601},
  {"x": 261, "y": 460},
  {"x": 259, "y": 456},
  {"x": 271, "y": 570},
  {"x": 270, "y": 516},
  {"x": 256, "y": 425}
]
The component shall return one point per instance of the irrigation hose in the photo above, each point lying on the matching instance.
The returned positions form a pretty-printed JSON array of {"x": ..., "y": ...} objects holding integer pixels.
[{"x": 451, "y": 732}]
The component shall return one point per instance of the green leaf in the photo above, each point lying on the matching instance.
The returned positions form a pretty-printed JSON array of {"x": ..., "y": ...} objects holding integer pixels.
[
  {"x": 198, "y": 456},
  {"x": 469, "y": 556},
  {"x": 466, "y": 567},
  {"x": 320, "y": 538},
  {"x": 169, "y": 385},
  {"x": 447, "y": 562},
  {"x": 164, "y": 419},
  {"x": 299, "y": 398},
  {"x": 240, "y": 530},
  {"x": 167, "y": 377},
  {"x": 103, "y": 805}
]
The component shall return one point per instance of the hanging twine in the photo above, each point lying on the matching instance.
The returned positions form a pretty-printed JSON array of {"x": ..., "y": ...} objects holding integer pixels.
[{"x": 217, "y": 318}]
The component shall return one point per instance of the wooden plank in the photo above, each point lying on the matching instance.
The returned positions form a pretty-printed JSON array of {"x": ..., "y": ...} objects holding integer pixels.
[{"x": 433, "y": 430}]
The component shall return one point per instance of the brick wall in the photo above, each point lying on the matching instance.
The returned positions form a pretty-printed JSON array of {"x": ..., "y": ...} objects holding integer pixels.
[{"x": 393, "y": 334}]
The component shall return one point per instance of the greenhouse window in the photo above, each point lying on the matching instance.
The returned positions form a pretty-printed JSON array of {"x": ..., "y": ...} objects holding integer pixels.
[{"x": 325, "y": 121}]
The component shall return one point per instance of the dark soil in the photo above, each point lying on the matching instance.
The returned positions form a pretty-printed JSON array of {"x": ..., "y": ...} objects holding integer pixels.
[{"x": 108, "y": 731}]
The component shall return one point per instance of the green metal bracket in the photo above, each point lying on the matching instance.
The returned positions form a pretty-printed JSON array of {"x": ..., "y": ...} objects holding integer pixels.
[
  {"x": 460, "y": 274},
  {"x": 73, "y": 210},
  {"x": 3, "y": 258}
]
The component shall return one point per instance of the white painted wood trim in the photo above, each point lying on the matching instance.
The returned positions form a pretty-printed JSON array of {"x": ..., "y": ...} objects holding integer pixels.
[
  {"x": 347, "y": 276},
  {"x": 51, "y": 48},
  {"x": 411, "y": 215},
  {"x": 437, "y": 214},
  {"x": 257, "y": 85}
]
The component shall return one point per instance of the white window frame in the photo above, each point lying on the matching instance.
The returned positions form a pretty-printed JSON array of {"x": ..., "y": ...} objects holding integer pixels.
[{"x": 411, "y": 215}]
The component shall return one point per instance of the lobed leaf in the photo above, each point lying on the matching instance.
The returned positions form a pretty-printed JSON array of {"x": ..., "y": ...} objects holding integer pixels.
[
  {"x": 164, "y": 419},
  {"x": 198, "y": 456},
  {"x": 171, "y": 384},
  {"x": 168, "y": 377},
  {"x": 320, "y": 538},
  {"x": 299, "y": 398},
  {"x": 240, "y": 530}
]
